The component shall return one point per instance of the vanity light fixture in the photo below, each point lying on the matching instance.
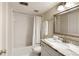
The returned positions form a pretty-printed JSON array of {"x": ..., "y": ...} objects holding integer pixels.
[{"x": 61, "y": 6}]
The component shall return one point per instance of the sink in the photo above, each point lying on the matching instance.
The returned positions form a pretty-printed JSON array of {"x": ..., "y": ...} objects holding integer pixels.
[
  {"x": 51, "y": 40},
  {"x": 56, "y": 43}
]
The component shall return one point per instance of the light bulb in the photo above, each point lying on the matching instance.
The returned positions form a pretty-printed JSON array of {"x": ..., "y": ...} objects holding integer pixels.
[{"x": 60, "y": 8}]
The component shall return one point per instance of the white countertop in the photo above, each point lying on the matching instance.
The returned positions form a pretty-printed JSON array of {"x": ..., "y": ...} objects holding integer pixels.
[{"x": 64, "y": 48}]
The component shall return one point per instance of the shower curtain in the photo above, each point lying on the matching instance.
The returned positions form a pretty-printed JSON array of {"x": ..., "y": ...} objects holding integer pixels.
[{"x": 36, "y": 30}]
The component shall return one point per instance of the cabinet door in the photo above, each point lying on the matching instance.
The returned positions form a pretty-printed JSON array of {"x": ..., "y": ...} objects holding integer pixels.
[
  {"x": 52, "y": 51},
  {"x": 43, "y": 51},
  {"x": 48, "y": 50}
]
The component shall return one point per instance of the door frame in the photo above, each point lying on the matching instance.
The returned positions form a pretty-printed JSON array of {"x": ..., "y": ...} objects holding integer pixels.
[{"x": 9, "y": 30}]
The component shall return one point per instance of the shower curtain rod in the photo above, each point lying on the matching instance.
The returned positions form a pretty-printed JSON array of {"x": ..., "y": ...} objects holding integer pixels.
[{"x": 68, "y": 10}]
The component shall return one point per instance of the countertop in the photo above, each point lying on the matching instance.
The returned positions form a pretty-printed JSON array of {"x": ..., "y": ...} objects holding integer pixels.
[{"x": 63, "y": 48}]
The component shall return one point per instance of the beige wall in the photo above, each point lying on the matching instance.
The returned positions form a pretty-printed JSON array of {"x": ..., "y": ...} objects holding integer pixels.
[{"x": 49, "y": 16}]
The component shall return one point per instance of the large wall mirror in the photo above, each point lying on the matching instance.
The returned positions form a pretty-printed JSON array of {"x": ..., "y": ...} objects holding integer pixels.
[{"x": 67, "y": 23}]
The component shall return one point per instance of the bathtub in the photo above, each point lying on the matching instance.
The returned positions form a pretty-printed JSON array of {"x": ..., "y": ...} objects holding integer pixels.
[{"x": 23, "y": 51}]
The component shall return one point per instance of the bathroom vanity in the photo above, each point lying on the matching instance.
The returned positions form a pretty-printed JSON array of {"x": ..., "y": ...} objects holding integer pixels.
[
  {"x": 48, "y": 50},
  {"x": 55, "y": 48}
]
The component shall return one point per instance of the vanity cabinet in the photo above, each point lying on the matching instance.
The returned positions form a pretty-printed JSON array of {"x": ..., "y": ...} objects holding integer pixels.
[{"x": 48, "y": 51}]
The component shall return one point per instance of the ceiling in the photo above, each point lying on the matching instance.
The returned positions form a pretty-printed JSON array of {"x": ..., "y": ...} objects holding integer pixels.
[{"x": 41, "y": 6}]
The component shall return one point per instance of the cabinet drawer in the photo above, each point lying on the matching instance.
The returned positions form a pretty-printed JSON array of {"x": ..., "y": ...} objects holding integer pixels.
[{"x": 44, "y": 52}]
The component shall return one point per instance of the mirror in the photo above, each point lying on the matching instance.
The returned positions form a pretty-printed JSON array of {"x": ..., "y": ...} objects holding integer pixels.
[{"x": 67, "y": 23}]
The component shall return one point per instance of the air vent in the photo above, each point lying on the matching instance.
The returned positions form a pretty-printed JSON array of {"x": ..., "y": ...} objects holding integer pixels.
[
  {"x": 36, "y": 10},
  {"x": 24, "y": 3}
]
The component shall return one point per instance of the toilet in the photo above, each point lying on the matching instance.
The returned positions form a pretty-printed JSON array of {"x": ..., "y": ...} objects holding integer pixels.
[{"x": 37, "y": 48}]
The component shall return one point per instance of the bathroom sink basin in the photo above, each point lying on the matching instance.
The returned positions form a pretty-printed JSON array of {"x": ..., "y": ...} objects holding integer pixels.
[
  {"x": 56, "y": 43},
  {"x": 50, "y": 40}
]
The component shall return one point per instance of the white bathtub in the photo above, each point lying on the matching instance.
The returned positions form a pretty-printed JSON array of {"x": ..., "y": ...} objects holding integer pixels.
[{"x": 24, "y": 51}]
